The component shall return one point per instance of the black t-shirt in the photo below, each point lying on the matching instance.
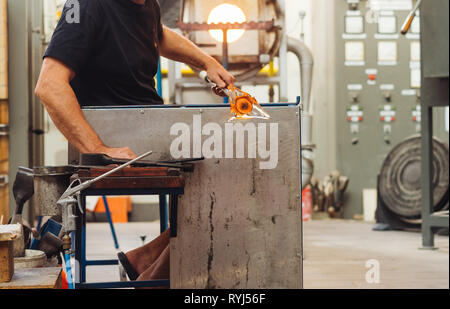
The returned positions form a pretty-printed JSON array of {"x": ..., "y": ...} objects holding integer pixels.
[{"x": 114, "y": 51}]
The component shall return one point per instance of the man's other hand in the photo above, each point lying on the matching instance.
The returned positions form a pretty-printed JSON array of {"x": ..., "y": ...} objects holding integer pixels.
[{"x": 119, "y": 153}]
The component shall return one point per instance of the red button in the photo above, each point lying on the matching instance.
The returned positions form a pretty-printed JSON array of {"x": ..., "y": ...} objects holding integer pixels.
[
  {"x": 372, "y": 77},
  {"x": 360, "y": 119},
  {"x": 382, "y": 118}
]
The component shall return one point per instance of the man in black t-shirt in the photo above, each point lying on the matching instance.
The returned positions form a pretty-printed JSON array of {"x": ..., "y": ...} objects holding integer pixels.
[{"x": 109, "y": 56}]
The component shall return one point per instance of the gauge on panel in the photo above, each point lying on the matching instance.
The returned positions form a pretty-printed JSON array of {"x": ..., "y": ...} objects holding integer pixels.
[
  {"x": 387, "y": 51},
  {"x": 387, "y": 24},
  {"x": 354, "y": 51},
  {"x": 416, "y": 78},
  {"x": 354, "y": 24},
  {"x": 415, "y": 51}
]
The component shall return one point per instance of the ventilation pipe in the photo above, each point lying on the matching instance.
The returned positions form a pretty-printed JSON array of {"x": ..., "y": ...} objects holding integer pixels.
[{"x": 306, "y": 60}]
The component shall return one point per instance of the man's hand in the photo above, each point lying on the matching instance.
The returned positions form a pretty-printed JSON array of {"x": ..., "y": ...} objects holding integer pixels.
[
  {"x": 218, "y": 75},
  {"x": 118, "y": 153},
  {"x": 176, "y": 47}
]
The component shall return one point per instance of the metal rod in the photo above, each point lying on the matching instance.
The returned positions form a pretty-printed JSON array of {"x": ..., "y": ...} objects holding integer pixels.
[
  {"x": 225, "y": 56},
  {"x": 88, "y": 183}
]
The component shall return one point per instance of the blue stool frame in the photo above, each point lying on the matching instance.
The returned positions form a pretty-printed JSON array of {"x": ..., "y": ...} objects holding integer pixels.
[
  {"x": 111, "y": 224},
  {"x": 80, "y": 235}
]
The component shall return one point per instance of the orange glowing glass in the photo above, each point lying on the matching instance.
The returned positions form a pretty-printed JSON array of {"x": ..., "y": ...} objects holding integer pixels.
[{"x": 244, "y": 106}]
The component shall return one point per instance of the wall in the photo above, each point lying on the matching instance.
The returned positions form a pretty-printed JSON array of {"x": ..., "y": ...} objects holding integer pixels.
[{"x": 323, "y": 93}]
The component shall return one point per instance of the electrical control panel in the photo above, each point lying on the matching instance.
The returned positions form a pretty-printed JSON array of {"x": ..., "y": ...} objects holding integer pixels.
[{"x": 378, "y": 81}]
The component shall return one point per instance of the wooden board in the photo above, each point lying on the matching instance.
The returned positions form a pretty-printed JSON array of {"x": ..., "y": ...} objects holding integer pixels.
[
  {"x": 6, "y": 260},
  {"x": 4, "y": 164},
  {"x": 4, "y": 140},
  {"x": 137, "y": 182},
  {"x": 4, "y": 203},
  {"x": 35, "y": 278},
  {"x": 3, "y": 50}
]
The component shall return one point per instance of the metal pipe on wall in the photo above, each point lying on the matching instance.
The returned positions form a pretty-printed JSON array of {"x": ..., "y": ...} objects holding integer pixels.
[
  {"x": 25, "y": 114},
  {"x": 17, "y": 86},
  {"x": 306, "y": 60},
  {"x": 36, "y": 51}
]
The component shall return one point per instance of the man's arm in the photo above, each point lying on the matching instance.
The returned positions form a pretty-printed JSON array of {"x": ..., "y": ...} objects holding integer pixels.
[
  {"x": 178, "y": 48},
  {"x": 54, "y": 90}
]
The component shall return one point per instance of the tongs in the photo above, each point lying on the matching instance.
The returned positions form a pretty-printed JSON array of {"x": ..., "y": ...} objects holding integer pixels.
[{"x": 242, "y": 104}]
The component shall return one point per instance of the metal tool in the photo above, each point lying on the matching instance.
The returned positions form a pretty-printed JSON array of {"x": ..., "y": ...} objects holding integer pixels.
[
  {"x": 242, "y": 104},
  {"x": 409, "y": 20},
  {"x": 69, "y": 200},
  {"x": 23, "y": 190},
  {"x": 184, "y": 160},
  {"x": 98, "y": 159}
]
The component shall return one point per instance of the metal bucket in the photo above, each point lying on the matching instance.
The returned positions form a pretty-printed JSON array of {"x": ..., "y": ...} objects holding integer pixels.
[{"x": 49, "y": 184}]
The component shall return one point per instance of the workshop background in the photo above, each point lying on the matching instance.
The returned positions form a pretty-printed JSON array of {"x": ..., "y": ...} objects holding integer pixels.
[{"x": 372, "y": 117}]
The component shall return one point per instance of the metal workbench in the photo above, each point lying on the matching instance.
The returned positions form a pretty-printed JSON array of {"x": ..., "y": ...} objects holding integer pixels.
[{"x": 239, "y": 219}]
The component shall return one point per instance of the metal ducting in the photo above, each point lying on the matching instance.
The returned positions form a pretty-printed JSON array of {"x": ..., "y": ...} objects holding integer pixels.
[
  {"x": 306, "y": 60},
  {"x": 400, "y": 186}
]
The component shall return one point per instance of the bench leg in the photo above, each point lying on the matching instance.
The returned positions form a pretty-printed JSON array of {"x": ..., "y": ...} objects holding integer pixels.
[
  {"x": 173, "y": 215},
  {"x": 162, "y": 212}
]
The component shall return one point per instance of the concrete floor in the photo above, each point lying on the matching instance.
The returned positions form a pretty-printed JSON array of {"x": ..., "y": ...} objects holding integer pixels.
[{"x": 336, "y": 252}]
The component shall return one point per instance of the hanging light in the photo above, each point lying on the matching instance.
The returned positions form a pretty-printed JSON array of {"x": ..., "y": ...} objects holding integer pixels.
[{"x": 226, "y": 13}]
